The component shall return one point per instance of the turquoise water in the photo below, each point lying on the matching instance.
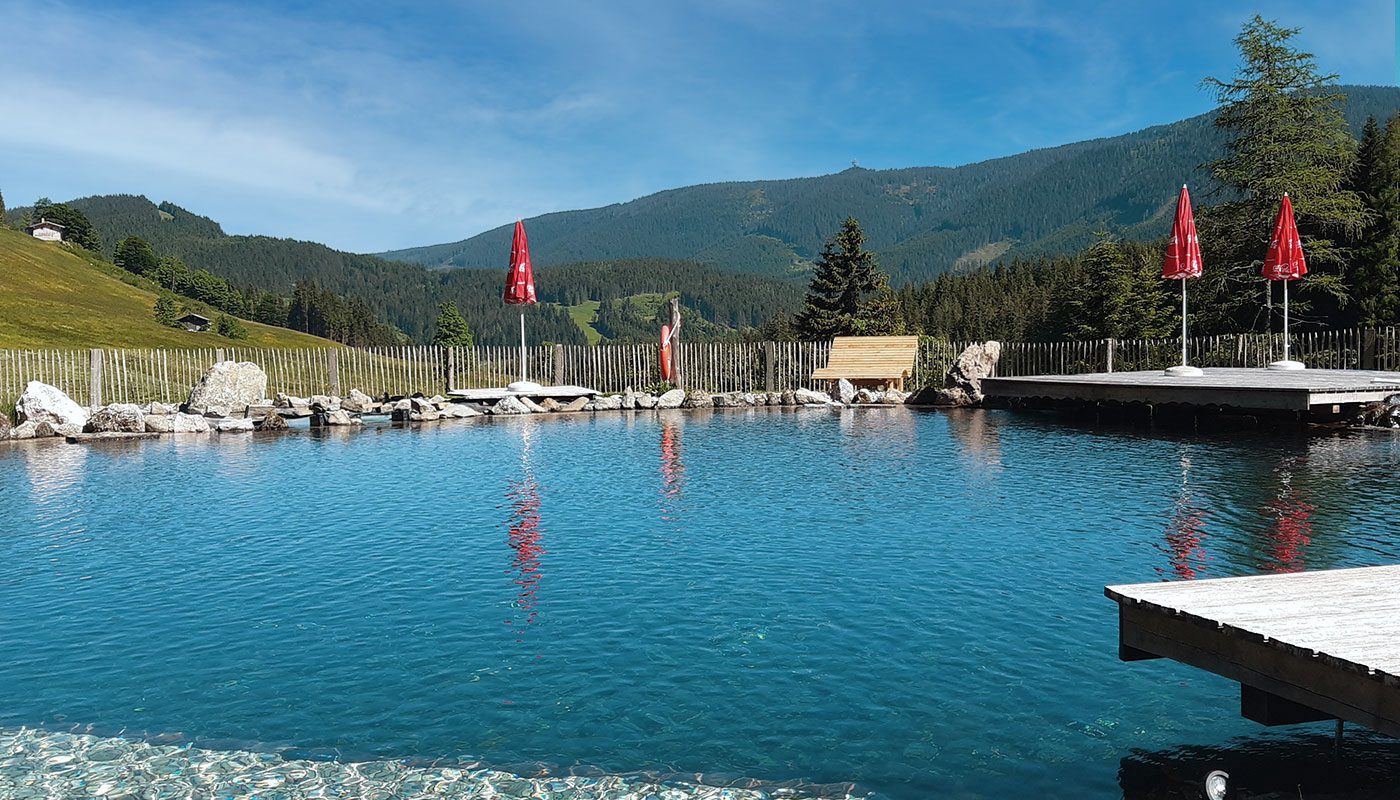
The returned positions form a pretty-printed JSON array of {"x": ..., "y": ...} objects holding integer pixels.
[{"x": 908, "y": 601}]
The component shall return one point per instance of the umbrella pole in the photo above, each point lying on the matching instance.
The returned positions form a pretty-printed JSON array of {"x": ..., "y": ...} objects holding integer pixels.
[
  {"x": 1285, "y": 321},
  {"x": 522, "y": 346},
  {"x": 1183, "y": 322}
]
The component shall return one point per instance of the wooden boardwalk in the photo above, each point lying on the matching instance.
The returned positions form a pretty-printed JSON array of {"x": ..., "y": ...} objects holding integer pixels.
[
  {"x": 1244, "y": 389},
  {"x": 1304, "y": 646}
]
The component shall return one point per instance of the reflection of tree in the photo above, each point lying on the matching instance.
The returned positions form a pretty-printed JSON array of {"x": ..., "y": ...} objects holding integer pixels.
[
  {"x": 1186, "y": 529},
  {"x": 1290, "y": 529},
  {"x": 672, "y": 470},
  {"x": 525, "y": 538}
]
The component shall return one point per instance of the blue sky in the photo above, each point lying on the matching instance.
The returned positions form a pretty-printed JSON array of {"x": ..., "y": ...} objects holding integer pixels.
[{"x": 378, "y": 125}]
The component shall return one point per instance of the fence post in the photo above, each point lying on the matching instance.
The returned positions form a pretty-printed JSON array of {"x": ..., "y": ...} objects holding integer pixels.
[
  {"x": 558, "y": 365},
  {"x": 95, "y": 384},
  {"x": 770, "y": 356},
  {"x": 1369, "y": 342},
  {"x": 333, "y": 366},
  {"x": 450, "y": 379},
  {"x": 1112, "y": 346},
  {"x": 219, "y": 355}
]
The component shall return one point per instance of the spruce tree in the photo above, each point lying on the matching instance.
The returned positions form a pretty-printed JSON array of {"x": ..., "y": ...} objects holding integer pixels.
[
  {"x": 1375, "y": 276},
  {"x": 134, "y": 254},
  {"x": 4, "y": 216},
  {"x": 167, "y": 311},
  {"x": 451, "y": 329},
  {"x": 844, "y": 276},
  {"x": 1287, "y": 134}
]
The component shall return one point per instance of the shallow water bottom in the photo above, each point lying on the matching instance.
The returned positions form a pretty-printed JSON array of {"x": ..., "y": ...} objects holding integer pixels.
[{"x": 44, "y": 764}]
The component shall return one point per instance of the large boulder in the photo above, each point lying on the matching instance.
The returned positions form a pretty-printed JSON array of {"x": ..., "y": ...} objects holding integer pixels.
[
  {"x": 811, "y": 397},
  {"x": 324, "y": 402},
  {"x": 234, "y": 425},
  {"x": 671, "y": 399},
  {"x": 727, "y": 400},
  {"x": 697, "y": 399},
  {"x": 1385, "y": 414},
  {"x": 117, "y": 418},
  {"x": 575, "y": 405},
  {"x": 972, "y": 365},
  {"x": 788, "y": 398},
  {"x": 458, "y": 411},
  {"x": 232, "y": 385},
  {"x": 775, "y": 398},
  {"x": 161, "y": 408},
  {"x": 41, "y": 402},
  {"x": 272, "y": 421},
  {"x": 510, "y": 405},
  {"x": 188, "y": 423},
  {"x": 607, "y": 402},
  {"x": 535, "y": 408},
  {"x": 357, "y": 401}
]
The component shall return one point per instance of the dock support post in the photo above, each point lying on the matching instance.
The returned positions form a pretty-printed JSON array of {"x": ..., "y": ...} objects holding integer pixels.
[
  {"x": 1111, "y": 347},
  {"x": 558, "y": 365},
  {"x": 333, "y": 370},
  {"x": 769, "y": 356},
  {"x": 95, "y": 381}
]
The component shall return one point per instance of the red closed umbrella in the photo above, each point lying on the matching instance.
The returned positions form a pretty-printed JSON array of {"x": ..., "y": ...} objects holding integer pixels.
[
  {"x": 1285, "y": 262},
  {"x": 1183, "y": 261},
  {"x": 520, "y": 285}
]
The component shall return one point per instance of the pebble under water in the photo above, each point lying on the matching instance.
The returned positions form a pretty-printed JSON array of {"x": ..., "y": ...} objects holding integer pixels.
[{"x": 739, "y": 603}]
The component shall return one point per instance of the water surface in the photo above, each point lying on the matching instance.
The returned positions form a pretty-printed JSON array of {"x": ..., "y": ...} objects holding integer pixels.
[{"x": 908, "y": 601}]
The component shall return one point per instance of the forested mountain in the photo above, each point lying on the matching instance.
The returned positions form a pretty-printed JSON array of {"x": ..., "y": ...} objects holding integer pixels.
[
  {"x": 408, "y": 295},
  {"x": 920, "y": 221}
]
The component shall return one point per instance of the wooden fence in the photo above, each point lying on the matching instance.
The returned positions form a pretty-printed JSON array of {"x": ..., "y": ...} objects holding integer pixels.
[{"x": 94, "y": 377}]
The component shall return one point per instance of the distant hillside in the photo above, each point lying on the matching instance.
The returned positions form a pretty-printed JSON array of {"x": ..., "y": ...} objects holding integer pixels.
[
  {"x": 920, "y": 220},
  {"x": 51, "y": 297},
  {"x": 407, "y": 295}
]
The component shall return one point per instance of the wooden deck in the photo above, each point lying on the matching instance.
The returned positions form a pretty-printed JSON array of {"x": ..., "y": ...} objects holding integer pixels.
[
  {"x": 1244, "y": 389},
  {"x": 1304, "y": 646},
  {"x": 492, "y": 395}
]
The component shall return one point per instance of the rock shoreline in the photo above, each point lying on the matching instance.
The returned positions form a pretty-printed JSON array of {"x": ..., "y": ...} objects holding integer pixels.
[{"x": 231, "y": 397}]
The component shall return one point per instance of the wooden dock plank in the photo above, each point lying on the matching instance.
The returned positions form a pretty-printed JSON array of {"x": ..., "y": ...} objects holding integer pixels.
[{"x": 1329, "y": 639}]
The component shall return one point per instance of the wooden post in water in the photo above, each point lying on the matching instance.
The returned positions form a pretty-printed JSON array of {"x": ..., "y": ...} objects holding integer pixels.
[
  {"x": 95, "y": 378},
  {"x": 676, "y": 342}
]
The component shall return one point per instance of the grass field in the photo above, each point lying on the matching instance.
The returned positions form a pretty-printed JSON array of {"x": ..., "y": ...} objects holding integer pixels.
[
  {"x": 583, "y": 315},
  {"x": 51, "y": 297}
]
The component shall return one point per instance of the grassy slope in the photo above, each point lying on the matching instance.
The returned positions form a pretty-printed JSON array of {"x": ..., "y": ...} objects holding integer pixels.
[
  {"x": 583, "y": 316},
  {"x": 51, "y": 298}
]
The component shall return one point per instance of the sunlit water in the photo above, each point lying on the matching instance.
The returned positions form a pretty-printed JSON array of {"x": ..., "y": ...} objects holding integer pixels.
[{"x": 908, "y": 601}]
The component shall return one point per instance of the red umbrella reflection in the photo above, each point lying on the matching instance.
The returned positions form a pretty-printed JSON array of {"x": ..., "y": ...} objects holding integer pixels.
[
  {"x": 1185, "y": 531},
  {"x": 526, "y": 540},
  {"x": 1291, "y": 529}
]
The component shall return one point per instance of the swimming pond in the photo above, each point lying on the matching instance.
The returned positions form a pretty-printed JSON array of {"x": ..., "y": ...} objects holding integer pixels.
[{"x": 903, "y": 601}]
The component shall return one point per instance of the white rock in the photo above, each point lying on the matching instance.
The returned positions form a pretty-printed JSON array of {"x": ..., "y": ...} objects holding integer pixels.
[
  {"x": 233, "y": 385},
  {"x": 510, "y": 405},
  {"x": 161, "y": 408},
  {"x": 459, "y": 411},
  {"x": 811, "y": 397},
  {"x": 357, "y": 401},
  {"x": 845, "y": 392},
  {"x": 646, "y": 400},
  {"x": 117, "y": 418},
  {"x": 41, "y": 402},
  {"x": 188, "y": 423},
  {"x": 671, "y": 399},
  {"x": 535, "y": 408},
  {"x": 327, "y": 401},
  {"x": 234, "y": 425},
  {"x": 24, "y": 430},
  {"x": 607, "y": 402},
  {"x": 342, "y": 417},
  {"x": 159, "y": 423}
]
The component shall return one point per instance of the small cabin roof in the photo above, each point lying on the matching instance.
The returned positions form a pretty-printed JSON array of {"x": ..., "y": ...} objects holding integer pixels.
[
  {"x": 193, "y": 317},
  {"x": 44, "y": 223}
]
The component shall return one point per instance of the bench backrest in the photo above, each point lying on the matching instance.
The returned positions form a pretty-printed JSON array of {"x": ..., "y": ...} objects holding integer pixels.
[{"x": 870, "y": 357}]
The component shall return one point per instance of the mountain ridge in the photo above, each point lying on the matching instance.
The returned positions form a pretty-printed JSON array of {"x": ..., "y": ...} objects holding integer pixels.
[{"x": 919, "y": 220}]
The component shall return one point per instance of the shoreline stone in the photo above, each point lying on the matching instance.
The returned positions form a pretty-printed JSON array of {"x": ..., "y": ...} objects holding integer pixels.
[
  {"x": 232, "y": 385},
  {"x": 41, "y": 402}
]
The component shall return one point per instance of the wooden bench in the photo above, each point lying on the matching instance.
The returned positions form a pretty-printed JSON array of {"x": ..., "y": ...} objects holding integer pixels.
[{"x": 871, "y": 360}]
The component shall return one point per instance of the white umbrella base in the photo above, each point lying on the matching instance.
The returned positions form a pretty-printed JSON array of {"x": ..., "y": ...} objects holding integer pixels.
[
  {"x": 1288, "y": 365},
  {"x": 1183, "y": 371},
  {"x": 524, "y": 386}
]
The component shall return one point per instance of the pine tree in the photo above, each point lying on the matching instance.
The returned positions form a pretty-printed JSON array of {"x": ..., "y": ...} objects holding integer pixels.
[
  {"x": 1287, "y": 135},
  {"x": 4, "y": 218},
  {"x": 451, "y": 329},
  {"x": 844, "y": 277},
  {"x": 167, "y": 310}
]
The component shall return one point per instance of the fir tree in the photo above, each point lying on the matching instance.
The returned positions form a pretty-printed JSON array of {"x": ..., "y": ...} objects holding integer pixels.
[
  {"x": 1375, "y": 277},
  {"x": 4, "y": 218},
  {"x": 231, "y": 327},
  {"x": 844, "y": 277},
  {"x": 1287, "y": 135},
  {"x": 451, "y": 329},
  {"x": 167, "y": 311}
]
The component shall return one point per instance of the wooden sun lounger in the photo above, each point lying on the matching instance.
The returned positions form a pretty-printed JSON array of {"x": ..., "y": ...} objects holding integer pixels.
[{"x": 864, "y": 360}]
